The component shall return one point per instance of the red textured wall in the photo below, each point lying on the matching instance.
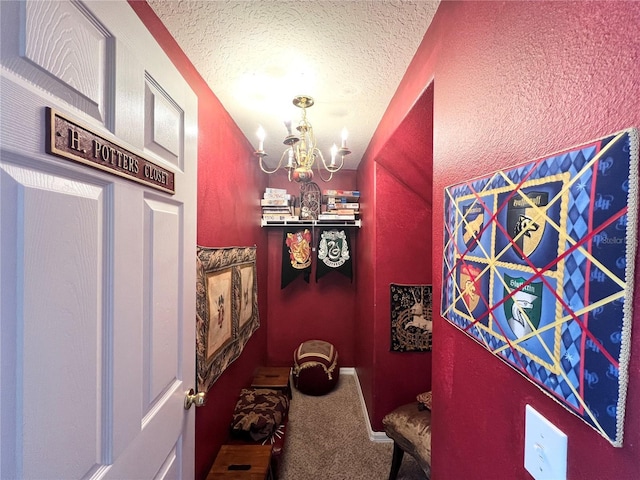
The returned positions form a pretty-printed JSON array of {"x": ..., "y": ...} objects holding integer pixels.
[
  {"x": 514, "y": 81},
  {"x": 404, "y": 170},
  {"x": 403, "y": 255},
  {"x": 365, "y": 292},
  {"x": 229, "y": 185},
  {"x": 398, "y": 251},
  {"x": 304, "y": 311}
]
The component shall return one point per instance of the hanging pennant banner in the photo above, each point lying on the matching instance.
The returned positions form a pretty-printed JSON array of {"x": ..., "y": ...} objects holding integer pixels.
[
  {"x": 296, "y": 256},
  {"x": 334, "y": 253}
]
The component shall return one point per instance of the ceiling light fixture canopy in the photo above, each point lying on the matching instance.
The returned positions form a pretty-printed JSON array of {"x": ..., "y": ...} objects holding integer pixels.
[{"x": 301, "y": 152}]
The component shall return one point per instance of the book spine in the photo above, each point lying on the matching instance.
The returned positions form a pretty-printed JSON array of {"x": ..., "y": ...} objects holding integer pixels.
[
  {"x": 274, "y": 202},
  {"x": 330, "y": 216},
  {"x": 278, "y": 210},
  {"x": 278, "y": 196},
  {"x": 343, "y": 206},
  {"x": 275, "y": 190},
  {"x": 341, "y": 193},
  {"x": 336, "y": 200},
  {"x": 279, "y": 217},
  {"x": 343, "y": 213}
]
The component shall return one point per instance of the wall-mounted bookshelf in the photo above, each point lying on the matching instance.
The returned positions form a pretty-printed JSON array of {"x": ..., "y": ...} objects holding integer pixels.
[
  {"x": 311, "y": 223},
  {"x": 326, "y": 208}
]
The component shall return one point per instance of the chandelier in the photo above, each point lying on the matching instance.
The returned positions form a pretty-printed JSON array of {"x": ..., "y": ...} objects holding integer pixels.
[{"x": 301, "y": 152}]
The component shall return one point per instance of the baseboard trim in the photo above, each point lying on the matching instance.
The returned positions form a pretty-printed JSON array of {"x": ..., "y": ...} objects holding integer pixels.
[{"x": 380, "y": 437}]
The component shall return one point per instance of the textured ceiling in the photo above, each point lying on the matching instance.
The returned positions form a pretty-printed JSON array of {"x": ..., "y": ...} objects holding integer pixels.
[{"x": 257, "y": 55}]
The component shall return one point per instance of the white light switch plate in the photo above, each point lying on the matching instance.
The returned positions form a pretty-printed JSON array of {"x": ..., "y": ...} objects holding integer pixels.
[{"x": 545, "y": 448}]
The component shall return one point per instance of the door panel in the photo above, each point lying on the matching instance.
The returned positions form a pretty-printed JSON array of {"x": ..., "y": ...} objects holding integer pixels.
[
  {"x": 97, "y": 338},
  {"x": 80, "y": 66},
  {"x": 63, "y": 49},
  {"x": 163, "y": 121},
  {"x": 63, "y": 330},
  {"x": 161, "y": 353}
]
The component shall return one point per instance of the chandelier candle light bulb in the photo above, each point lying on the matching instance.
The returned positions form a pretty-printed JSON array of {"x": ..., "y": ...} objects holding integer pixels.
[
  {"x": 301, "y": 152},
  {"x": 261, "y": 136}
]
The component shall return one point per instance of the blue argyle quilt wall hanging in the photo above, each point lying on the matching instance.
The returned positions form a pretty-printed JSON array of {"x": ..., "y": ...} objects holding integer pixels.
[{"x": 538, "y": 268}]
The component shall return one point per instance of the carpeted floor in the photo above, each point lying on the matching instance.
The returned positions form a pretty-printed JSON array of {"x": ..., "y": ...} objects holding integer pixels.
[{"x": 327, "y": 440}]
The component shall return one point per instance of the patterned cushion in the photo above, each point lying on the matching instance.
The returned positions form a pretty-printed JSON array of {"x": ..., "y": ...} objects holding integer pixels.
[
  {"x": 258, "y": 412},
  {"x": 424, "y": 399},
  {"x": 410, "y": 428}
]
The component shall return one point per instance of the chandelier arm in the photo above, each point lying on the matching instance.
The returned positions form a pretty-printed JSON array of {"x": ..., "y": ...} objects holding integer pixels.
[
  {"x": 265, "y": 170},
  {"x": 319, "y": 153},
  {"x": 335, "y": 168}
]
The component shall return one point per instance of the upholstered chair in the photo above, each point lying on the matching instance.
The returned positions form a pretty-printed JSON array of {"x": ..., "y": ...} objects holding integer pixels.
[{"x": 409, "y": 426}]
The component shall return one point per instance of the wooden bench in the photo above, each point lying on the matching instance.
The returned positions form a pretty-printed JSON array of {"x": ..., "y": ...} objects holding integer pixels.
[
  {"x": 278, "y": 378},
  {"x": 266, "y": 379},
  {"x": 242, "y": 462}
]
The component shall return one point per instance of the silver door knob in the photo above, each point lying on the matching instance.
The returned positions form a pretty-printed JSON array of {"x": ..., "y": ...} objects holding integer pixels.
[{"x": 193, "y": 398}]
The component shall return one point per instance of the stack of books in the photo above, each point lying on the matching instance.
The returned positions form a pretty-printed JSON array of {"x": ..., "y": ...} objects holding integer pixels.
[
  {"x": 278, "y": 205},
  {"x": 340, "y": 205}
]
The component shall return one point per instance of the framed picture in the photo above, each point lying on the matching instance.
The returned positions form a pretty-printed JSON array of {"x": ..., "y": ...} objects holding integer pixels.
[
  {"x": 247, "y": 293},
  {"x": 218, "y": 285},
  {"x": 226, "y": 308}
]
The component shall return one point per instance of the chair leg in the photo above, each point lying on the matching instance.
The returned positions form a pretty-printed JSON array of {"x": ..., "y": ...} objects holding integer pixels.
[{"x": 398, "y": 453}]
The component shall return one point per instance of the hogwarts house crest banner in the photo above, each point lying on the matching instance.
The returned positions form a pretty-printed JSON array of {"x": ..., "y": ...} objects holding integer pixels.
[
  {"x": 296, "y": 255},
  {"x": 539, "y": 268},
  {"x": 334, "y": 253}
]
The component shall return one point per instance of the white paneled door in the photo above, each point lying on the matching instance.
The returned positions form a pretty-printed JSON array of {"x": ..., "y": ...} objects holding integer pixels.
[{"x": 97, "y": 271}]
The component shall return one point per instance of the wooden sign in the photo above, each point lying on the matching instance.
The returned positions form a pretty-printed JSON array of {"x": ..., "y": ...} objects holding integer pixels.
[{"x": 68, "y": 139}]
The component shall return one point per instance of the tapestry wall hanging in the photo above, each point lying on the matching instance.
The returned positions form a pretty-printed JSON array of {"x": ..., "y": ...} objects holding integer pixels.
[
  {"x": 538, "y": 268},
  {"x": 226, "y": 308},
  {"x": 411, "y": 325}
]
